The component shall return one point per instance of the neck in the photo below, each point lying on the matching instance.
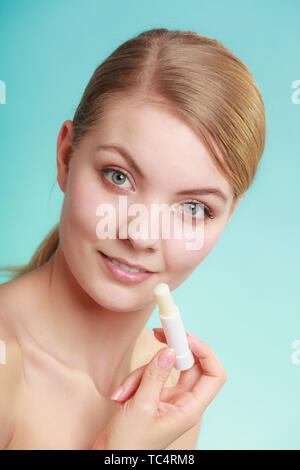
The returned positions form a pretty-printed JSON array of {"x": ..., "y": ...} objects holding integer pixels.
[{"x": 76, "y": 330}]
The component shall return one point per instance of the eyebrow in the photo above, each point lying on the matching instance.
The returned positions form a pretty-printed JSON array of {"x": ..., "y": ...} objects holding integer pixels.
[{"x": 191, "y": 192}]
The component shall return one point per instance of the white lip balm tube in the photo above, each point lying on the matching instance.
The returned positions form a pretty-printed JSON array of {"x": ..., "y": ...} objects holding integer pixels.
[{"x": 173, "y": 327}]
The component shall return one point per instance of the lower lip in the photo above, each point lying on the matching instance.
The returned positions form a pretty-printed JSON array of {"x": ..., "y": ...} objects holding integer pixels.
[{"x": 122, "y": 275}]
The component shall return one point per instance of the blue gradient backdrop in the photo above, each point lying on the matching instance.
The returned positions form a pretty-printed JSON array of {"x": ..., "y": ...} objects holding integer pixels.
[{"x": 243, "y": 300}]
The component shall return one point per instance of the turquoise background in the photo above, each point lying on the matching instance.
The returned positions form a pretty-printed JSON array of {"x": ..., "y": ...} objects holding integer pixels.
[{"x": 243, "y": 300}]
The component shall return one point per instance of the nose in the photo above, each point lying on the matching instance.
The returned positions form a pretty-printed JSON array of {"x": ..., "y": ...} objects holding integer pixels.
[
  {"x": 144, "y": 243},
  {"x": 142, "y": 229}
]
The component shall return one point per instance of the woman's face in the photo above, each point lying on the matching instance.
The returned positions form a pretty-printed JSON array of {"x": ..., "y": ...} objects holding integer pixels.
[{"x": 172, "y": 160}]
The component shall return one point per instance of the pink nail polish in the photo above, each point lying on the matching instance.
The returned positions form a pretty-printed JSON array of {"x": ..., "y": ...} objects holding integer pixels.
[
  {"x": 117, "y": 393},
  {"x": 166, "y": 358}
]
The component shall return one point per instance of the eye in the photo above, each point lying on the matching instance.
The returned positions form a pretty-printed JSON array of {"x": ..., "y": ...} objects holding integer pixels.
[
  {"x": 195, "y": 209},
  {"x": 118, "y": 177}
]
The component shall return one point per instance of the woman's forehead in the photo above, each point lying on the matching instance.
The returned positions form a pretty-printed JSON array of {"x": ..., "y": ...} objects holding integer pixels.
[{"x": 158, "y": 142}]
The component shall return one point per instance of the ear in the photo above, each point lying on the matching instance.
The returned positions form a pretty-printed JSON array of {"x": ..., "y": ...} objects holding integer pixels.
[
  {"x": 233, "y": 208},
  {"x": 63, "y": 153}
]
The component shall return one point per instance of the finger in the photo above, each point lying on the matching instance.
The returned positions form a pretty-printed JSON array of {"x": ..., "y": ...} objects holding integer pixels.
[
  {"x": 207, "y": 364},
  {"x": 160, "y": 334},
  {"x": 213, "y": 375},
  {"x": 131, "y": 383},
  {"x": 188, "y": 407},
  {"x": 210, "y": 364},
  {"x": 154, "y": 377},
  {"x": 187, "y": 378}
]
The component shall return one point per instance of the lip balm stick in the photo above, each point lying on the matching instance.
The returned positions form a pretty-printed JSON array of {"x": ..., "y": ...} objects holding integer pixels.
[{"x": 173, "y": 327}]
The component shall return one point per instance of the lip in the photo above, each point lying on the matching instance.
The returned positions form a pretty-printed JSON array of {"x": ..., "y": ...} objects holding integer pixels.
[
  {"x": 122, "y": 275},
  {"x": 123, "y": 261}
]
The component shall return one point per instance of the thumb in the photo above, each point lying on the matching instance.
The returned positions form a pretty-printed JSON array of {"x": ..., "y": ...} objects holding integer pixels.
[{"x": 155, "y": 376}]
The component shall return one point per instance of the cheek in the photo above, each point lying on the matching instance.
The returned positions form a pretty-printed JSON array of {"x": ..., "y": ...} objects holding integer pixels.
[
  {"x": 183, "y": 259},
  {"x": 80, "y": 207},
  {"x": 212, "y": 235}
]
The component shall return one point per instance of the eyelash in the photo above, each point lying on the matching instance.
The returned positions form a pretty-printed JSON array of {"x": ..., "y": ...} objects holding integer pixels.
[{"x": 107, "y": 169}]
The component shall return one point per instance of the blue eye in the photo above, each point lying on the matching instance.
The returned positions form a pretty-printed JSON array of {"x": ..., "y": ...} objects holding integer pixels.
[
  {"x": 197, "y": 210},
  {"x": 118, "y": 177}
]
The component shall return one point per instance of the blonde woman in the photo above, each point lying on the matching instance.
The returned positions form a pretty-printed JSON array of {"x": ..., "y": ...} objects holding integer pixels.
[{"x": 170, "y": 117}]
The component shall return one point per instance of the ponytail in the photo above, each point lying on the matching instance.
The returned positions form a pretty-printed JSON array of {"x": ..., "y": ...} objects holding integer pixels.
[{"x": 42, "y": 254}]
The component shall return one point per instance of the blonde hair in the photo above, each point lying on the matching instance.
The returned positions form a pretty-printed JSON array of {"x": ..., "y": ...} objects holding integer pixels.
[{"x": 199, "y": 80}]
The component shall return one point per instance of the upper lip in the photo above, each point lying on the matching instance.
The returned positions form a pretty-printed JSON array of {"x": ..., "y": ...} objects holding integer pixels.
[{"x": 123, "y": 261}]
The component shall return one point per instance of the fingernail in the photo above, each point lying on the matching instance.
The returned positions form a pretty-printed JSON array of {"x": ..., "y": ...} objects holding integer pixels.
[
  {"x": 117, "y": 393},
  {"x": 166, "y": 358}
]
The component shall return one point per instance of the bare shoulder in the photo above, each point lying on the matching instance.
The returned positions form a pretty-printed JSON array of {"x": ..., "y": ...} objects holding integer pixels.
[
  {"x": 9, "y": 299},
  {"x": 15, "y": 292},
  {"x": 14, "y": 296},
  {"x": 10, "y": 351},
  {"x": 148, "y": 346},
  {"x": 11, "y": 366},
  {"x": 18, "y": 298}
]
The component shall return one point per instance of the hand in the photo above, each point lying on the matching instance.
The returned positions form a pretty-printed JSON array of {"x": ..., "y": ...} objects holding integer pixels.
[{"x": 151, "y": 415}]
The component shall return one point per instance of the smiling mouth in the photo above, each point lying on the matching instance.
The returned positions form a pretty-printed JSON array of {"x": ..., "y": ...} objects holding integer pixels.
[{"x": 125, "y": 266}]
